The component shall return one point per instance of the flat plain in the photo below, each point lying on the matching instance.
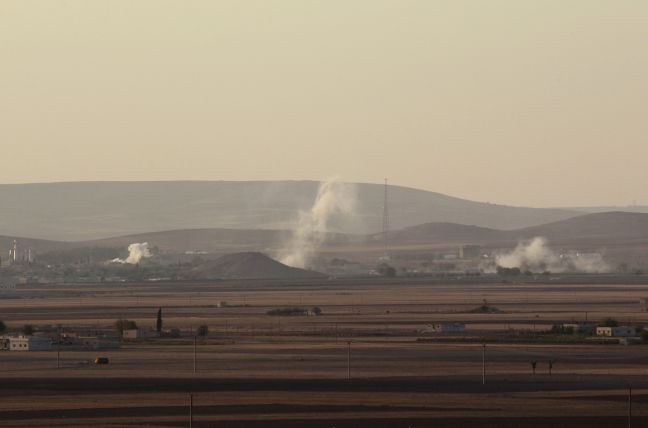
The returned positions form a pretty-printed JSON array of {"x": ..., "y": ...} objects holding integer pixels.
[{"x": 259, "y": 370}]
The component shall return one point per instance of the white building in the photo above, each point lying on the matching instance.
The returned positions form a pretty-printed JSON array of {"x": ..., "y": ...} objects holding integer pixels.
[
  {"x": 30, "y": 343},
  {"x": 446, "y": 327},
  {"x": 621, "y": 331}
]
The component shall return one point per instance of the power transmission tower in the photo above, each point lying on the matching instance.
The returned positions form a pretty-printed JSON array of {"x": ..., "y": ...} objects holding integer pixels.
[{"x": 385, "y": 226}]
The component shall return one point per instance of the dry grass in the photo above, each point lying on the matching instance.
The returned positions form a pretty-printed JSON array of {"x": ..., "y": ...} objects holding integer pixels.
[{"x": 293, "y": 369}]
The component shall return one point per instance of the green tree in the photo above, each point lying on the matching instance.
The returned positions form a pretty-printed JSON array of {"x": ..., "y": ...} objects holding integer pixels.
[
  {"x": 503, "y": 271},
  {"x": 3, "y": 327},
  {"x": 203, "y": 330},
  {"x": 28, "y": 329},
  {"x": 121, "y": 325}
]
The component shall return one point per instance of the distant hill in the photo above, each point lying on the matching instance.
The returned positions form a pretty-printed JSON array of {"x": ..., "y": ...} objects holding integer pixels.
[
  {"x": 610, "y": 226},
  {"x": 601, "y": 228},
  {"x": 607, "y": 209},
  {"x": 94, "y": 210},
  {"x": 211, "y": 240},
  {"x": 249, "y": 265},
  {"x": 442, "y": 233}
]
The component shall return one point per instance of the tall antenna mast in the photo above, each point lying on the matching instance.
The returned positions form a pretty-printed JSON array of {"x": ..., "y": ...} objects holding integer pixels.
[{"x": 385, "y": 224}]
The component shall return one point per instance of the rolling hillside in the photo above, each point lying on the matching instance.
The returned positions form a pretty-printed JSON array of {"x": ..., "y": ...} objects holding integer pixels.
[
  {"x": 442, "y": 233},
  {"x": 94, "y": 210},
  {"x": 594, "y": 229},
  {"x": 603, "y": 227}
]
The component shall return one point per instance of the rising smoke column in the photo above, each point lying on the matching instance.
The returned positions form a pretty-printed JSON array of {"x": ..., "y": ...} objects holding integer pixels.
[
  {"x": 136, "y": 252},
  {"x": 536, "y": 256},
  {"x": 333, "y": 198},
  {"x": 533, "y": 255}
]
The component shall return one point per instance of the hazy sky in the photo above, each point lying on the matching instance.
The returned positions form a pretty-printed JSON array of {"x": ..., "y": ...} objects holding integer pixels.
[{"x": 540, "y": 103}]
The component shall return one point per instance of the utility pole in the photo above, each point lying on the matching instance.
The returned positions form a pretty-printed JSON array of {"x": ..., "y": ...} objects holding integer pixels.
[
  {"x": 348, "y": 360},
  {"x": 58, "y": 348},
  {"x": 629, "y": 406},
  {"x": 190, "y": 410},
  {"x": 484, "y": 364},
  {"x": 194, "y": 354}
]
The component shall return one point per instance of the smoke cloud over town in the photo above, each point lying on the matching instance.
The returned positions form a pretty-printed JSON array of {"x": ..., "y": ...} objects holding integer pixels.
[
  {"x": 536, "y": 256},
  {"x": 136, "y": 252}
]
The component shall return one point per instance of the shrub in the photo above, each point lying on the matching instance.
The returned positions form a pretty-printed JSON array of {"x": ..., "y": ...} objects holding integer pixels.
[
  {"x": 286, "y": 312},
  {"x": 610, "y": 322},
  {"x": 561, "y": 329},
  {"x": 503, "y": 271}
]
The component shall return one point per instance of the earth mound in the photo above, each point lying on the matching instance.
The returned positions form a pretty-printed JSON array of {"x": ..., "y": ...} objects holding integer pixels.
[{"x": 250, "y": 265}]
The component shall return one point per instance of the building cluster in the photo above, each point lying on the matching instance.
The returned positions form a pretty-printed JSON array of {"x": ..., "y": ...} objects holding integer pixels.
[
  {"x": 446, "y": 327},
  {"x": 620, "y": 331},
  {"x": 15, "y": 257},
  {"x": 7, "y": 290},
  {"x": 25, "y": 343},
  {"x": 140, "y": 333}
]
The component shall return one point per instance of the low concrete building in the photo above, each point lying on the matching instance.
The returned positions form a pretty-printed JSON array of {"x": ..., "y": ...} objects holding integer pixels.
[
  {"x": 583, "y": 328},
  {"x": 30, "y": 343},
  {"x": 135, "y": 334},
  {"x": 98, "y": 343},
  {"x": 7, "y": 290},
  {"x": 446, "y": 327},
  {"x": 467, "y": 252},
  {"x": 621, "y": 331}
]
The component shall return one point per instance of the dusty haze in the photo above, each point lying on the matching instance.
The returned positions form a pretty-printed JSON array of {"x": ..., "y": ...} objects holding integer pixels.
[{"x": 501, "y": 101}]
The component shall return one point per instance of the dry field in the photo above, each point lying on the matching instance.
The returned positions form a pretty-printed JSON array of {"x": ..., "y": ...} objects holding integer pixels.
[{"x": 262, "y": 371}]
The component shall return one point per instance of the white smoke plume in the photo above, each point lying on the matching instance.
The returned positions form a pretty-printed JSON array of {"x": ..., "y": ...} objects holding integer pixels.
[
  {"x": 136, "y": 252},
  {"x": 333, "y": 199},
  {"x": 536, "y": 256}
]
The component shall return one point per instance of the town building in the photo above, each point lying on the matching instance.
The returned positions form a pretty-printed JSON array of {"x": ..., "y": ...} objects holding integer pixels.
[
  {"x": 135, "y": 333},
  {"x": 470, "y": 252},
  {"x": 7, "y": 290},
  {"x": 621, "y": 331},
  {"x": 446, "y": 327},
  {"x": 29, "y": 343},
  {"x": 583, "y": 328}
]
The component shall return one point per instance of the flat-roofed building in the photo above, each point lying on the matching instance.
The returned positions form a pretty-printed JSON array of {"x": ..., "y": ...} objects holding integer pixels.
[
  {"x": 30, "y": 343},
  {"x": 621, "y": 331},
  {"x": 7, "y": 289},
  {"x": 444, "y": 327}
]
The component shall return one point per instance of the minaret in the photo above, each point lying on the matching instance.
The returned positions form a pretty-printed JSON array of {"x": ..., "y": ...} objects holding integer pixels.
[{"x": 14, "y": 252}]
